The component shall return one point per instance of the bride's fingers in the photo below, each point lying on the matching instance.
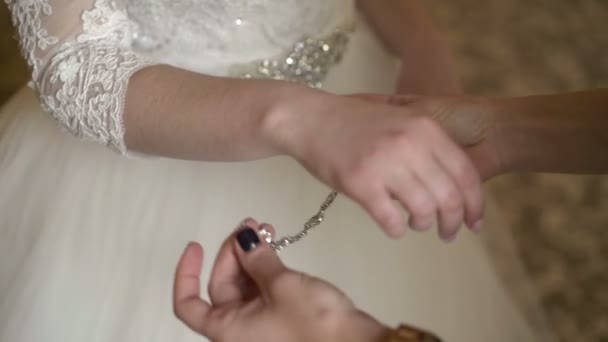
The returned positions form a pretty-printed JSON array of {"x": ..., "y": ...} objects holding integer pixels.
[
  {"x": 416, "y": 199},
  {"x": 447, "y": 196},
  {"x": 228, "y": 282},
  {"x": 378, "y": 202},
  {"x": 466, "y": 177},
  {"x": 188, "y": 306}
]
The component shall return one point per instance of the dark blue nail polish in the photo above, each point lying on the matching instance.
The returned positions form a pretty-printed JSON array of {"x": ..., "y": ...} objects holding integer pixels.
[{"x": 248, "y": 239}]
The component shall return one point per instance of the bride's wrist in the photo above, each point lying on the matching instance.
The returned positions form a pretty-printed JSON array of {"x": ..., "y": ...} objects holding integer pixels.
[{"x": 284, "y": 125}]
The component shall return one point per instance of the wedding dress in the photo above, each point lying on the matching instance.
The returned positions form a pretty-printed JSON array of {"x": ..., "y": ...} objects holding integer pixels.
[{"x": 89, "y": 238}]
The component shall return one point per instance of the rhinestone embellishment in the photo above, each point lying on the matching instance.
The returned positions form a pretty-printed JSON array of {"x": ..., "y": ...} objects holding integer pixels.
[{"x": 308, "y": 62}]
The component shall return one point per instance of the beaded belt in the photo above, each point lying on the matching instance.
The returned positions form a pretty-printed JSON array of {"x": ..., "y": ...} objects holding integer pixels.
[{"x": 307, "y": 62}]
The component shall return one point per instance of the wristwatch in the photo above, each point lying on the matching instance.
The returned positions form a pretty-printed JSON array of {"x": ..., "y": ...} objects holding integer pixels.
[{"x": 405, "y": 333}]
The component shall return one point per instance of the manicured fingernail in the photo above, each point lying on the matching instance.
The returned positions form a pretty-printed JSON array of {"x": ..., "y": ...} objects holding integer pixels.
[
  {"x": 248, "y": 239},
  {"x": 477, "y": 227}
]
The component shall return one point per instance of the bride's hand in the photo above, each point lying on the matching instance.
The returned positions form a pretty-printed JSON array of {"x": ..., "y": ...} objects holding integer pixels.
[
  {"x": 469, "y": 120},
  {"x": 374, "y": 153},
  {"x": 254, "y": 297}
]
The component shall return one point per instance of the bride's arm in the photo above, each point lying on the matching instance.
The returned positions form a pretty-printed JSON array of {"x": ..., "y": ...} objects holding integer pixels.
[
  {"x": 100, "y": 90},
  {"x": 407, "y": 30},
  {"x": 180, "y": 114}
]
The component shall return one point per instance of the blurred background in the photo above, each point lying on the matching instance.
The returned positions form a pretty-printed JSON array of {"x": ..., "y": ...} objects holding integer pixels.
[{"x": 516, "y": 47}]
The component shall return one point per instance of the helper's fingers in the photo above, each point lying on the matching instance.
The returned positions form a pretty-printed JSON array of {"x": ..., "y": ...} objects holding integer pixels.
[
  {"x": 259, "y": 260},
  {"x": 228, "y": 282},
  {"x": 188, "y": 306}
]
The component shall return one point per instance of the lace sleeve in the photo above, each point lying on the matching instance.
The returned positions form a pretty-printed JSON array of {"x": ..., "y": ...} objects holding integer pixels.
[{"x": 80, "y": 63}]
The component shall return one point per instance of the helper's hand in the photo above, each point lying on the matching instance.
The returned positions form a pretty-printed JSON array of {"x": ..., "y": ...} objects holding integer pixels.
[{"x": 255, "y": 297}]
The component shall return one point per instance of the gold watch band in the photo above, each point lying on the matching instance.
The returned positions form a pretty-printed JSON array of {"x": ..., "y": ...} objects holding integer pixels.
[{"x": 405, "y": 333}]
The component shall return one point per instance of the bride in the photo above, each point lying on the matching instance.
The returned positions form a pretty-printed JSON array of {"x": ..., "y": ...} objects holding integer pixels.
[{"x": 229, "y": 92}]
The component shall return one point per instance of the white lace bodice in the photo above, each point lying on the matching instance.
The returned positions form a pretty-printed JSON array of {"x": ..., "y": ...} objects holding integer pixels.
[{"x": 81, "y": 59}]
